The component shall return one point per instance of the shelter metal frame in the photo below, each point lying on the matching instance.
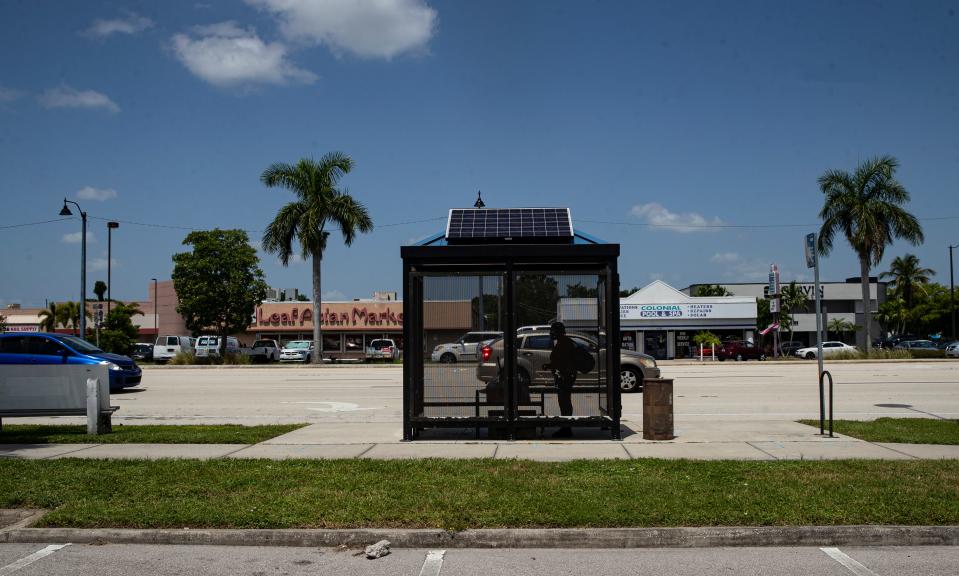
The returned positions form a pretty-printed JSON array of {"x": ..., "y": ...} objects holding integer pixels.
[{"x": 508, "y": 260}]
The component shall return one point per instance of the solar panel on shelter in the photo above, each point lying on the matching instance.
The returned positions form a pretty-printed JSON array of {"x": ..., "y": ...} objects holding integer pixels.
[{"x": 509, "y": 224}]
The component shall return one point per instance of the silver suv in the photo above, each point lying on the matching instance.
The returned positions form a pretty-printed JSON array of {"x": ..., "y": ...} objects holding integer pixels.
[
  {"x": 464, "y": 349},
  {"x": 533, "y": 350}
]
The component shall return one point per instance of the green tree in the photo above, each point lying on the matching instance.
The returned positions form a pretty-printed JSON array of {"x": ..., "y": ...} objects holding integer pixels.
[
  {"x": 219, "y": 283},
  {"x": 866, "y": 207},
  {"x": 318, "y": 203},
  {"x": 302, "y": 298},
  {"x": 100, "y": 288},
  {"x": 118, "y": 334},
  {"x": 628, "y": 291},
  {"x": 68, "y": 316},
  {"x": 50, "y": 318},
  {"x": 840, "y": 326},
  {"x": 711, "y": 290},
  {"x": 908, "y": 277},
  {"x": 792, "y": 300},
  {"x": 536, "y": 298},
  {"x": 3, "y": 323}
]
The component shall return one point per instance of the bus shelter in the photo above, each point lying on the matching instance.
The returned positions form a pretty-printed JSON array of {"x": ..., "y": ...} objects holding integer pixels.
[{"x": 502, "y": 277}]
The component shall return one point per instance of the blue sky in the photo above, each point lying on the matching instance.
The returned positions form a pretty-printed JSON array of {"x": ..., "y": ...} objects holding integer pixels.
[{"x": 630, "y": 113}]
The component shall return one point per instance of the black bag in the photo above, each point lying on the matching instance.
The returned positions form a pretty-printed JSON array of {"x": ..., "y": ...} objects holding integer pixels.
[{"x": 584, "y": 359}]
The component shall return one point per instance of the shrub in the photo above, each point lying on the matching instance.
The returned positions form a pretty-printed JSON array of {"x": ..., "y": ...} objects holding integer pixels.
[
  {"x": 925, "y": 353},
  {"x": 183, "y": 359},
  {"x": 236, "y": 359}
]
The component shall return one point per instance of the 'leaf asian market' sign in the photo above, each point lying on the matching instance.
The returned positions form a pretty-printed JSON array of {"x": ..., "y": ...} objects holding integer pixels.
[{"x": 335, "y": 316}]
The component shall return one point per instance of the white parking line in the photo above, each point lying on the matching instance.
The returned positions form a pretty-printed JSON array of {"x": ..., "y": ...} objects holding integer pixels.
[
  {"x": 433, "y": 563},
  {"x": 28, "y": 560},
  {"x": 853, "y": 566}
]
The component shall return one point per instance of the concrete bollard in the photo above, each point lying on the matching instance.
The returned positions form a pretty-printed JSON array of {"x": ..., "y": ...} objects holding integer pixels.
[
  {"x": 97, "y": 423},
  {"x": 658, "y": 409}
]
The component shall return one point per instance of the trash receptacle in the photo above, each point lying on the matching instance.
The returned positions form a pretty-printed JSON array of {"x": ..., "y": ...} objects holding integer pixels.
[{"x": 658, "y": 409}]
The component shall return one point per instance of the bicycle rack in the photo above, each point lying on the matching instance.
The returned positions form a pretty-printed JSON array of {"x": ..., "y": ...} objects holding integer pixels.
[{"x": 822, "y": 407}]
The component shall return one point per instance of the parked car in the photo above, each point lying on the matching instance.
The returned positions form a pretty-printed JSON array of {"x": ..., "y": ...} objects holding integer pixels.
[
  {"x": 790, "y": 346},
  {"x": 142, "y": 351},
  {"x": 533, "y": 350},
  {"x": 739, "y": 350},
  {"x": 828, "y": 349},
  {"x": 953, "y": 349},
  {"x": 916, "y": 345},
  {"x": 298, "y": 351},
  {"x": 464, "y": 349},
  {"x": 210, "y": 346},
  {"x": 45, "y": 348},
  {"x": 382, "y": 349},
  {"x": 265, "y": 351},
  {"x": 166, "y": 347}
]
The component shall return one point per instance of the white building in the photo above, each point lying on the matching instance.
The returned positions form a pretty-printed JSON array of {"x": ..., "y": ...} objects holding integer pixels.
[
  {"x": 661, "y": 321},
  {"x": 839, "y": 300}
]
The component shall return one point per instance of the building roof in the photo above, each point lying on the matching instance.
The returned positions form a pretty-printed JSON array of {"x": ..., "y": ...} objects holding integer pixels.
[{"x": 659, "y": 292}]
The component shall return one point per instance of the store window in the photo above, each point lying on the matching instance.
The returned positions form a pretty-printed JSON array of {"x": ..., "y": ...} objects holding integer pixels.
[
  {"x": 331, "y": 342},
  {"x": 354, "y": 343}
]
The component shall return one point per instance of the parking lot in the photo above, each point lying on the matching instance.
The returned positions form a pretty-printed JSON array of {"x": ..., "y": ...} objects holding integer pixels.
[{"x": 730, "y": 391}]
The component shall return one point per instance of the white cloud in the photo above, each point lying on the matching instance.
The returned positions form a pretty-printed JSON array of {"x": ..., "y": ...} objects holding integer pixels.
[
  {"x": 366, "y": 28},
  {"x": 657, "y": 215},
  {"x": 97, "y": 194},
  {"x": 224, "y": 54},
  {"x": 101, "y": 263},
  {"x": 65, "y": 96},
  {"x": 724, "y": 257},
  {"x": 332, "y": 295},
  {"x": 9, "y": 94},
  {"x": 131, "y": 24},
  {"x": 653, "y": 276},
  {"x": 75, "y": 237}
]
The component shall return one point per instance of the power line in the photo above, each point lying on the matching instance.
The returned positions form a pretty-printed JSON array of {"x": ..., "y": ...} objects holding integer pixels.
[{"x": 25, "y": 224}]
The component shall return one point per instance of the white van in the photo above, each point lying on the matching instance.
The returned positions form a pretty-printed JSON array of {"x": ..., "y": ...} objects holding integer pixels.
[
  {"x": 210, "y": 346},
  {"x": 166, "y": 347}
]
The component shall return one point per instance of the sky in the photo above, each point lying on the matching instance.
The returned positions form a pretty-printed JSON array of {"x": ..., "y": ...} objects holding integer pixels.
[{"x": 691, "y": 133}]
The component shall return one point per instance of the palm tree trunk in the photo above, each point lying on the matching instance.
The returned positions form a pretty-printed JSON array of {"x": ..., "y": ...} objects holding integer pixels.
[
  {"x": 866, "y": 308},
  {"x": 317, "y": 318}
]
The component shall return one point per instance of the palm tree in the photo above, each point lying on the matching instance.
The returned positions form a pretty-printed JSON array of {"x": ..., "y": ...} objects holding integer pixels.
[
  {"x": 99, "y": 288},
  {"x": 68, "y": 316},
  {"x": 50, "y": 317},
  {"x": 318, "y": 202},
  {"x": 907, "y": 275},
  {"x": 792, "y": 299},
  {"x": 867, "y": 208},
  {"x": 840, "y": 326}
]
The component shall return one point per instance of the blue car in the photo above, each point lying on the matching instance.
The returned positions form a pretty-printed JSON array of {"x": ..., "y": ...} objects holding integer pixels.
[{"x": 45, "y": 348}]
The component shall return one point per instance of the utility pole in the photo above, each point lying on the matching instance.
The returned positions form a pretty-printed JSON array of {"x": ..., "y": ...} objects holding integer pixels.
[
  {"x": 952, "y": 292},
  {"x": 110, "y": 227}
]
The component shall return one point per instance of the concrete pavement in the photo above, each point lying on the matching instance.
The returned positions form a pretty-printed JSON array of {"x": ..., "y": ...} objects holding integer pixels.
[
  {"x": 123, "y": 560},
  {"x": 721, "y": 440}
]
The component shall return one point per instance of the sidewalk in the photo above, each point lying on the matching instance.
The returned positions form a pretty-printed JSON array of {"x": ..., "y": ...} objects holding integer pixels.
[{"x": 715, "y": 440}]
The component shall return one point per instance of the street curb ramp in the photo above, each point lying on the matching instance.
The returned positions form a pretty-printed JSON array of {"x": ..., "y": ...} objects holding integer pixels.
[{"x": 696, "y": 537}]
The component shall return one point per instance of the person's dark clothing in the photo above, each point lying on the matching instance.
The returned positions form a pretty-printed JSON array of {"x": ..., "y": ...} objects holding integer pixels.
[{"x": 562, "y": 360}]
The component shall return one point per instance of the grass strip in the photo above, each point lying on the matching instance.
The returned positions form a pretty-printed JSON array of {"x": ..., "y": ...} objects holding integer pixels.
[
  {"x": 456, "y": 495},
  {"x": 136, "y": 434},
  {"x": 904, "y": 430}
]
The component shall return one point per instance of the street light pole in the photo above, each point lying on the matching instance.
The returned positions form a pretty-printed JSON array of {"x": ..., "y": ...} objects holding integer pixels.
[
  {"x": 65, "y": 211},
  {"x": 156, "y": 321},
  {"x": 952, "y": 292},
  {"x": 110, "y": 227}
]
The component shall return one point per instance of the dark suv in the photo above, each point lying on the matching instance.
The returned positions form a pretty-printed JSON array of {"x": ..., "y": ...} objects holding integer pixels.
[{"x": 738, "y": 350}]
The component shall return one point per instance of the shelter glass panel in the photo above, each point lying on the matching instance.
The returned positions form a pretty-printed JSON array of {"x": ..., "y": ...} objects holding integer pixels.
[
  {"x": 462, "y": 372},
  {"x": 560, "y": 376}
]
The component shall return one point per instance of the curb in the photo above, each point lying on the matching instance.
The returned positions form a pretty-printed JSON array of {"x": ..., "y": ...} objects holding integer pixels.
[{"x": 699, "y": 537}]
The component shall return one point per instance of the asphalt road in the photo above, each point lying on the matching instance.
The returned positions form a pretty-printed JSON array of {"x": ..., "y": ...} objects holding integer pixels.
[
  {"x": 123, "y": 560},
  {"x": 714, "y": 391}
]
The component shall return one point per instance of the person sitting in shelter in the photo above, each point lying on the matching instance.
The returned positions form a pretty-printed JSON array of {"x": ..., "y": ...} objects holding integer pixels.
[{"x": 562, "y": 362}]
